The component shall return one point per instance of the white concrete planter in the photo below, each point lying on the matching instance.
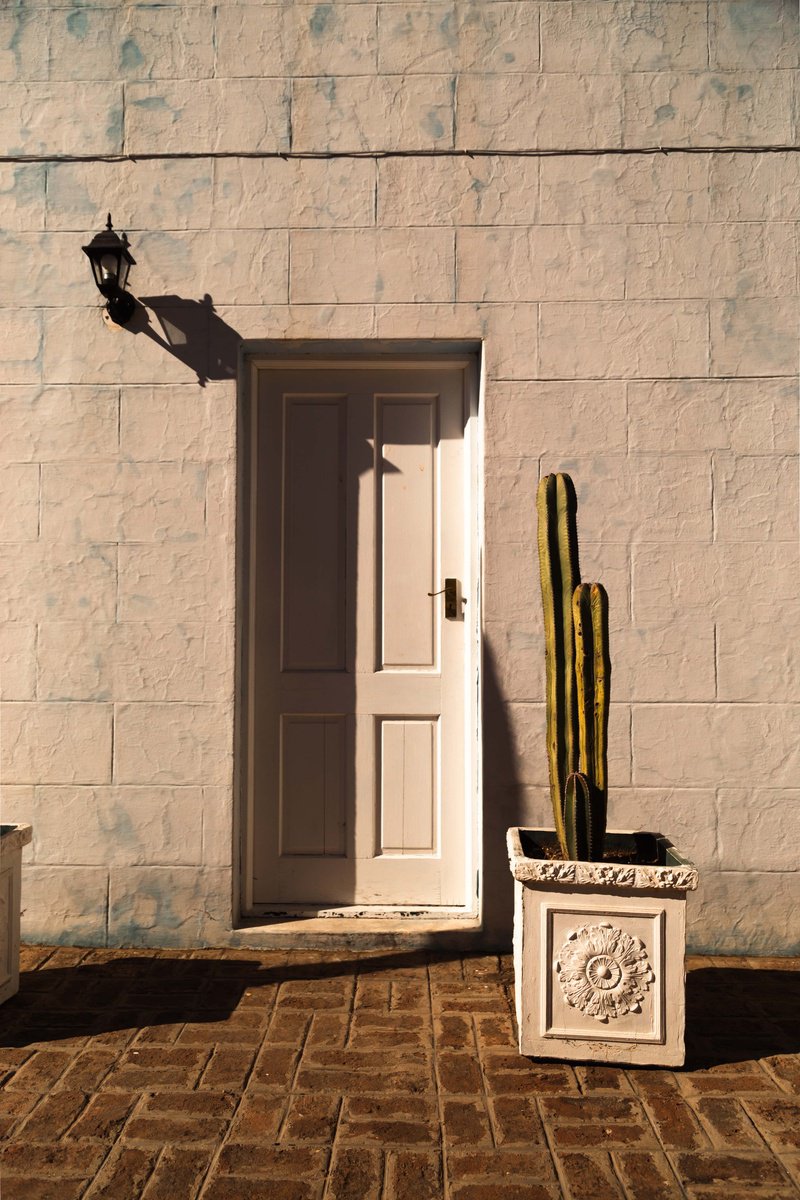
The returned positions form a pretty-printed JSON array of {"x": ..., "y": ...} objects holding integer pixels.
[
  {"x": 12, "y": 839},
  {"x": 599, "y": 951}
]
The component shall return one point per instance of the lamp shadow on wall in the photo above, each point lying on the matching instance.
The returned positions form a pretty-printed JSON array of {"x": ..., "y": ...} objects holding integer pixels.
[{"x": 191, "y": 331}]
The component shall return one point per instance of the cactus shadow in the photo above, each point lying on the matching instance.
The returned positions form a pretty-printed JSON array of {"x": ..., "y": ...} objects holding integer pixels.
[{"x": 742, "y": 1014}]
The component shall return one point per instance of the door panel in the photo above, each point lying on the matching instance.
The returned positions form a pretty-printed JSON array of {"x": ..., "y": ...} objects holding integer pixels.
[{"x": 358, "y": 694}]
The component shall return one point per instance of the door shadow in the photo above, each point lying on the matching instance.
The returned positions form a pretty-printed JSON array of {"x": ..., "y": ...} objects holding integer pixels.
[{"x": 191, "y": 331}]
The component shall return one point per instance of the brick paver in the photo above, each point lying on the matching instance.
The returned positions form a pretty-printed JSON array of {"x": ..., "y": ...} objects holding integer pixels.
[{"x": 216, "y": 1075}]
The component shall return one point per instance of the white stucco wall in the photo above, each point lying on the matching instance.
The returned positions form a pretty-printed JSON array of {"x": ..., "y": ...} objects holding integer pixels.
[{"x": 639, "y": 319}]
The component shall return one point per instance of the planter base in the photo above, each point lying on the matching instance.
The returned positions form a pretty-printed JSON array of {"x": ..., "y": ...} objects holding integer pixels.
[
  {"x": 599, "y": 955},
  {"x": 12, "y": 840}
]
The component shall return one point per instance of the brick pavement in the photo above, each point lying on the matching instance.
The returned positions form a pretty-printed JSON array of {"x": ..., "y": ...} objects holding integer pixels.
[{"x": 223, "y": 1075}]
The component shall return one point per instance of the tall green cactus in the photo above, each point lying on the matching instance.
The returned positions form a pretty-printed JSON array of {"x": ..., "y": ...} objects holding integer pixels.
[
  {"x": 556, "y": 506},
  {"x": 578, "y": 671}
]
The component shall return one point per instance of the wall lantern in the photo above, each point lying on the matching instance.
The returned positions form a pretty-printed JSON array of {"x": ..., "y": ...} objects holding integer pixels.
[{"x": 111, "y": 261}]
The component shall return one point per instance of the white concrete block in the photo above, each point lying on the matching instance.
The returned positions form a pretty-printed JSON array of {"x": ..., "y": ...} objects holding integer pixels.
[
  {"x": 132, "y": 42},
  {"x": 65, "y": 906},
  {"x": 766, "y": 34},
  {"x": 526, "y": 726},
  {"x": 120, "y": 502},
  {"x": 687, "y": 816},
  {"x": 19, "y": 502},
  {"x": 383, "y": 265},
  {"x": 758, "y": 655},
  {"x": 169, "y": 906},
  {"x": 22, "y": 196},
  {"x": 618, "y": 37},
  {"x": 437, "y": 37},
  {"x": 218, "y": 827},
  {"x": 46, "y": 424},
  {"x": 138, "y": 661},
  {"x": 56, "y": 743},
  {"x": 79, "y": 347},
  {"x": 623, "y": 338},
  {"x": 177, "y": 581},
  {"x": 24, "y": 45},
  {"x": 490, "y": 190},
  {"x": 716, "y": 579},
  {"x": 539, "y": 112},
  {"x": 207, "y": 115},
  {"x": 513, "y": 653},
  {"x": 234, "y": 267},
  {"x": 388, "y": 112},
  {"x": 669, "y": 662},
  {"x": 749, "y": 416},
  {"x": 741, "y": 108},
  {"x": 754, "y": 337},
  {"x": 144, "y": 195},
  {"x": 753, "y": 913},
  {"x": 715, "y": 745},
  {"x": 573, "y": 262},
  {"x": 298, "y": 193},
  {"x": 17, "y": 661},
  {"x": 173, "y": 743},
  {"x": 756, "y": 828},
  {"x": 756, "y": 498},
  {"x": 617, "y": 189},
  {"x": 176, "y": 423},
  {"x": 510, "y": 500},
  {"x": 44, "y": 581},
  {"x": 509, "y": 331},
  {"x": 118, "y": 826},
  {"x": 647, "y": 498},
  {"x": 741, "y": 260},
  {"x": 21, "y": 332},
  {"x": 293, "y": 321},
  {"x": 61, "y": 118},
  {"x": 542, "y": 417},
  {"x": 511, "y": 591},
  {"x": 296, "y": 40},
  {"x": 755, "y": 187}
]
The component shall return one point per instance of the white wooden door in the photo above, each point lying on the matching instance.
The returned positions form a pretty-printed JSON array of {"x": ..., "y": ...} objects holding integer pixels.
[{"x": 359, "y": 789}]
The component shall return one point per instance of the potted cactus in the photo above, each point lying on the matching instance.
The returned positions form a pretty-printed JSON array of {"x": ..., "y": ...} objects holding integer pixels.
[{"x": 599, "y": 916}]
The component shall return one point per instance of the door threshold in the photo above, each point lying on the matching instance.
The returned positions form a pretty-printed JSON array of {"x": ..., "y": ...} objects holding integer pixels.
[{"x": 294, "y": 931}]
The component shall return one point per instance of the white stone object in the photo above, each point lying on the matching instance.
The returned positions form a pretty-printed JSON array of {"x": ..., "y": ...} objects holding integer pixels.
[
  {"x": 599, "y": 954},
  {"x": 12, "y": 839}
]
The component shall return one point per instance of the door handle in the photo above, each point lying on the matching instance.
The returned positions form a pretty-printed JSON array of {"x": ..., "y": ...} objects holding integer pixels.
[{"x": 451, "y": 592}]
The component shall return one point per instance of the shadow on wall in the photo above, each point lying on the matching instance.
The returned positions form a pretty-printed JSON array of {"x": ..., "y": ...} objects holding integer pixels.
[
  {"x": 503, "y": 806},
  {"x": 192, "y": 332}
]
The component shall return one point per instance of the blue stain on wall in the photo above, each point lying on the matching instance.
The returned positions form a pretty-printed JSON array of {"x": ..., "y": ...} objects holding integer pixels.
[
  {"x": 320, "y": 18},
  {"x": 114, "y": 127},
  {"x": 78, "y": 24},
  {"x": 719, "y": 87},
  {"x": 665, "y": 112},
  {"x": 432, "y": 124},
  {"x": 152, "y": 103},
  {"x": 130, "y": 56},
  {"x": 743, "y": 91}
]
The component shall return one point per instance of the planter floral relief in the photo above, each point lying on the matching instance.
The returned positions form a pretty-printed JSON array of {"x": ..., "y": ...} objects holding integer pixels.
[{"x": 599, "y": 919}]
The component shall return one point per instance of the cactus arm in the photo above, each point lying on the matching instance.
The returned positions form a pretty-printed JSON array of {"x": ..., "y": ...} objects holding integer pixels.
[
  {"x": 602, "y": 693},
  {"x": 578, "y": 817},
  {"x": 584, "y": 669},
  {"x": 559, "y": 572}
]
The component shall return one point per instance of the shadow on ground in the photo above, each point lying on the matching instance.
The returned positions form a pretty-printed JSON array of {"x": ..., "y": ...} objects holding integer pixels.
[
  {"x": 735, "y": 1014},
  {"x": 93, "y": 998}
]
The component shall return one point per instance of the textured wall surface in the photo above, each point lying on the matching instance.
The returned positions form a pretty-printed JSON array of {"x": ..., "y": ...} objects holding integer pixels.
[{"x": 639, "y": 315}]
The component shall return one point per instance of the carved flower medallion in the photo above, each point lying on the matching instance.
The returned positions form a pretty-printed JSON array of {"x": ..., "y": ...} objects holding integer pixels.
[{"x": 603, "y": 971}]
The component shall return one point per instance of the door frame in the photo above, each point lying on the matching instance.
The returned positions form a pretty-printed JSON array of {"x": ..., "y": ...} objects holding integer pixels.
[{"x": 260, "y": 355}]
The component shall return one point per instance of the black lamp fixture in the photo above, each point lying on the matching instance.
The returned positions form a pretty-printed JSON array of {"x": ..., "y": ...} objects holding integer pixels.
[{"x": 111, "y": 261}]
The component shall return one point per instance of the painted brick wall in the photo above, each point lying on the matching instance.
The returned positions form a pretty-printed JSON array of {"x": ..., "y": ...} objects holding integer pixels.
[{"x": 639, "y": 315}]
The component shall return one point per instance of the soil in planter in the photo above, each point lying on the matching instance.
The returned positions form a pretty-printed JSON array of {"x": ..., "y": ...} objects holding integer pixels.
[{"x": 636, "y": 849}]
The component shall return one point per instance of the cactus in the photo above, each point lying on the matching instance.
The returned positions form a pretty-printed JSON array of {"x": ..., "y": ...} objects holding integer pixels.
[
  {"x": 556, "y": 506},
  {"x": 592, "y": 674},
  {"x": 578, "y": 672}
]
